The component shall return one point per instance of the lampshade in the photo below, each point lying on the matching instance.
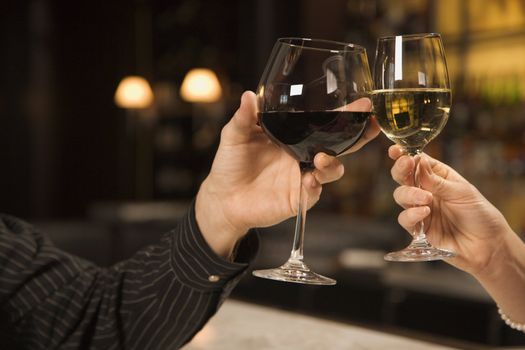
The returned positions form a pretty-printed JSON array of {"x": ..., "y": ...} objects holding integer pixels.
[
  {"x": 201, "y": 85},
  {"x": 133, "y": 92}
]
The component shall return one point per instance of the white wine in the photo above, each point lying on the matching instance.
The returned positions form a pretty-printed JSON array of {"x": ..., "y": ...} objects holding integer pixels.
[{"x": 412, "y": 117}]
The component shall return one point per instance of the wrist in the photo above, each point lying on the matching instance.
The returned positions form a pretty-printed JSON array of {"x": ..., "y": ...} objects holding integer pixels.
[
  {"x": 216, "y": 225},
  {"x": 504, "y": 278},
  {"x": 505, "y": 256}
]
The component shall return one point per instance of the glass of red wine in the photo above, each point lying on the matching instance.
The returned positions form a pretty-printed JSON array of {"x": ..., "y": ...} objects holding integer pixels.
[{"x": 314, "y": 96}]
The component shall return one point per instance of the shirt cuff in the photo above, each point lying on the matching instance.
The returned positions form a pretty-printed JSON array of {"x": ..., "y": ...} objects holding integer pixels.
[{"x": 196, "y": 265}]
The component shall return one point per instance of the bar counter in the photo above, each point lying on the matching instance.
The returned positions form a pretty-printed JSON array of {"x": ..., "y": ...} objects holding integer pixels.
[{"x": 240, "y": 325}]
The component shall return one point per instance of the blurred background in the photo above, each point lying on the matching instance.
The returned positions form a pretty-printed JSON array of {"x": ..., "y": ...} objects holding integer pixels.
[{"x": 111, "y": 113}]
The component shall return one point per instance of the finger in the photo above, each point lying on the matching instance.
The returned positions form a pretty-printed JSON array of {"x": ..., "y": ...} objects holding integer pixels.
[
  {"x": 372, "y": 130},
  {"x": 246, "y": 114},
  {"x": 431, "y": 181},
  {"x": 408, "y": 196},
  {"x": 327, "y": 168},
  {"x": 244, "y": 121},
  {"x": 403, "y": 171},
  {"x": 408, "y": 218},
  {"x": 395, "y": 151},
  {"x": 363, "y": 104},
  {"x": 313, "y": 189}
]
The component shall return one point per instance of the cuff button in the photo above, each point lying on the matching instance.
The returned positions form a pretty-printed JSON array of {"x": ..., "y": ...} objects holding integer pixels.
[{"x": 214, "y": 278}]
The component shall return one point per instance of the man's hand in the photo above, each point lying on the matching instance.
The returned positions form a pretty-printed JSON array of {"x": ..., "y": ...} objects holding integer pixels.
[{"x": 254, "y": 183}]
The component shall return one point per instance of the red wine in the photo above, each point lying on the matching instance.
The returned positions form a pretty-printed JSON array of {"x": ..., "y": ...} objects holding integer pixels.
[{"x": 304, "y": 134}]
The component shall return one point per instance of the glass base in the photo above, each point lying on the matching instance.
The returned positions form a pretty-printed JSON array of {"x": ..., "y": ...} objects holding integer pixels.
[
  {"x": 294, "y": 271},
  {"x": 420, "y": 253}
]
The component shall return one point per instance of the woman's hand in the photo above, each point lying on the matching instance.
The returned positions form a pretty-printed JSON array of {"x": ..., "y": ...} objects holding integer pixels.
[{"x": 458, "y": 217}]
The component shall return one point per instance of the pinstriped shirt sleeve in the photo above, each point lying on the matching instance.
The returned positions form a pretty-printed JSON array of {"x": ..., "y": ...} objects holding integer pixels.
[{"x": 158, "y": 299}]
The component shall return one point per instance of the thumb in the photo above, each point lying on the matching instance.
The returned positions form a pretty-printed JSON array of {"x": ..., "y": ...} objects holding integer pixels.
[
  {"x": 431, "y": 181},
  {"x": 244, "y": 121}
]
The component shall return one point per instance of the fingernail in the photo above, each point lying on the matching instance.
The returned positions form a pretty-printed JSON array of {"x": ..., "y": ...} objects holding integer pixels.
[
  {"x": 325, "y": 160},
  {"x": 322, "y": 160}
]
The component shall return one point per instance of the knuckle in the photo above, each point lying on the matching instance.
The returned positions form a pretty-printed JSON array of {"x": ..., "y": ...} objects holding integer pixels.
[{"x": 439, "y": 184}]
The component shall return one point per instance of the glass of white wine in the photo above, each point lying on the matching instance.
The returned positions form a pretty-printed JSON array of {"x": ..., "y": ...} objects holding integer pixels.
[{"x": 411, "y": 102}]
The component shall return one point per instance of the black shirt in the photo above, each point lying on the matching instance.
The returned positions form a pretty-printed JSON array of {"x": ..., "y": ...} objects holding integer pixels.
[{"x": 158, "y": 299}]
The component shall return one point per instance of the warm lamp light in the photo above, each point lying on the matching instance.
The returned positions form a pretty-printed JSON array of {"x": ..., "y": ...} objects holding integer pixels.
[
  {"x": 201, "y": 85},
  {"x": 133, "y": 92}
]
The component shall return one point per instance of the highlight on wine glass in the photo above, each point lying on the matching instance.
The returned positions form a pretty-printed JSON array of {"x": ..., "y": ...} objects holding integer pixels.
[
  {"x": 314, "y": 96},
  {"x": 411, "y": 103}
]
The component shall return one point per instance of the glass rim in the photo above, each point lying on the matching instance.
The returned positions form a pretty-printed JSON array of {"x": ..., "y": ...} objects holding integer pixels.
[
  {"x": 338, "y": 46},
  {"x": 410, "y": 36}
]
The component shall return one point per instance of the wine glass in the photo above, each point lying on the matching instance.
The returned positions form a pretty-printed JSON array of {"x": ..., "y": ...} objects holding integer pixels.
[
  {"x": 411, "y": 103},
  {"x": 314, "y": 96}
]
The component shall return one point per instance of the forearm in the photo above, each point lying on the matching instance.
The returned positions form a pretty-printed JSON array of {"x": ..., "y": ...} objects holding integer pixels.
[
  {"x": 505, "y": 279},
  {"x": 157, "y": 299},
  {"x": 170, "y": 290}
]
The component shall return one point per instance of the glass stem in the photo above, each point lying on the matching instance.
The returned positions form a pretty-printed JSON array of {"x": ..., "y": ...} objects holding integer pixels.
[
  {"x": 419, "y": 236},
  {"x": 297, "y": 250}
]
